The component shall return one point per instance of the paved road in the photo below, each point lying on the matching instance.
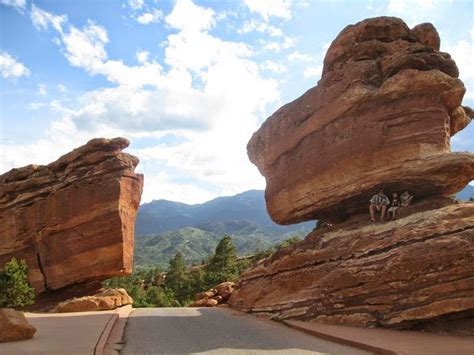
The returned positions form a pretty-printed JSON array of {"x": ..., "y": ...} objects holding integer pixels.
[{"x": 218, "y": 331}]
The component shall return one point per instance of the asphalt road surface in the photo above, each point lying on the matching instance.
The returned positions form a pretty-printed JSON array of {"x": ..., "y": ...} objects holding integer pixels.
[{"x": 217, "y": 331}]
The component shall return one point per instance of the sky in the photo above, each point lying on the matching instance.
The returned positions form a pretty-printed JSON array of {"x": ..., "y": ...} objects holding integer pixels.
[{"x": 187, "y": 81}]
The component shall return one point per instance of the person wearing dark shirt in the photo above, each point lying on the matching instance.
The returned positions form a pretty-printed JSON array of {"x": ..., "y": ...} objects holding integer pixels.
[{"x": 394, "y": 205}]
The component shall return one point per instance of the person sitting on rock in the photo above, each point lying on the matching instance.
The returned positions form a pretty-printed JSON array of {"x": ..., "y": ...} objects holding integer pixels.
[
  {"x": 394, "y": 205},
  {"x": 405, "y": 198},
  {"x": 378, "y": 202}
]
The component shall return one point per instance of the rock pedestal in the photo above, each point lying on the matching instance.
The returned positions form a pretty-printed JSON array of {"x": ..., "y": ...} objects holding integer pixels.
[
  {"x": 381, "y": 116},
  {"x": 72, "y": 220}
]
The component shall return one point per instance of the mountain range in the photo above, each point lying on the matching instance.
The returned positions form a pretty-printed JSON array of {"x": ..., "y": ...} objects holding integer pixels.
[{"x": 164, "y": 227}]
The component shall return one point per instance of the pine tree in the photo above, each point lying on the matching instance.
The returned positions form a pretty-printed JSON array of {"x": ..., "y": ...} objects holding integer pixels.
[
  {"x": 177, "y": 279},
  {"x": 15, "y": 291},
  {"x": 222, "y": 265}
]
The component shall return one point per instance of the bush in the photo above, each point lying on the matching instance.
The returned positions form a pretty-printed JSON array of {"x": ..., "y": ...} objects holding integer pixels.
[{"x": 15, "y": 290}]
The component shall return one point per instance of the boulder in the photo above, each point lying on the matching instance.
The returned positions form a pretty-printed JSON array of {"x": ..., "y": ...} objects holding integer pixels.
[
  {"x": 225, "y": 289},
  {"x": 207, "y": 294},
  {"x": 205, "y": 302},
  {"x": 72, "y": 220},
  {"x": 14, "y": 326},
  {"x": 382, "y": 115},
  {"x": 394, "y": 274},
  {"x": 106, "y": 300}
]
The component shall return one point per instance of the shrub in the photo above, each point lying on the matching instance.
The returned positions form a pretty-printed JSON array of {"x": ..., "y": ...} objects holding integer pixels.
[{"x": 15, "y": 290}]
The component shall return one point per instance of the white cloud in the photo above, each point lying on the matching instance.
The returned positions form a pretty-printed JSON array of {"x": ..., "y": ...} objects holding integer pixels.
[
  {"x": 212, "y": 95},
  {"x": 298, "y": 56},
  {"x": 42, "y": 90},
  {"x": 62, "y": 88},
  {"x": 85, "y": 49},
  {"x": 152, "y": 16},
  {"x": 42, "y": 19},
  {"x": 10, "y": 68},
  {"x": 19, "y": 5},
  {"x": 142, "y": 56},
  {"x": 187, "y": 16},
  {"x": 272, "y": 47},
  {"x": 262, "y": 27},
  {"x": 313, "y": 71},
  {"x": 269, "y": 8},
  {"x": 136, "y": 4},
  {"x": 277, "y": 68}
]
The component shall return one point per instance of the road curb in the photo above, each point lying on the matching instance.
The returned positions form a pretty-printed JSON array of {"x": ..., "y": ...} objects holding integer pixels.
[
  {"x": 104, "y": 336},
  {"x": 339, "y": 340}
]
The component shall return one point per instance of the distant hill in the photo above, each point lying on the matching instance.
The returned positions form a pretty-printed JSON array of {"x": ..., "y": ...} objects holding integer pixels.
[
  {"x": 230, "y": 214},
  {"x": 164, "y": 227},
  {"x": 466, "y": 193}
]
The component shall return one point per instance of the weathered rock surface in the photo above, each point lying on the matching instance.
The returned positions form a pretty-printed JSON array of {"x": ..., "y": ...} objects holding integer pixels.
[
  {"x": 14, "y": 326},
  {"x": 390, "y": 274},
  {"x": 381, "y": 116},
  {"x": 72, "y": 220},
  {"x": 105, "y": 300},
  {"x": 213, "y": 297}
]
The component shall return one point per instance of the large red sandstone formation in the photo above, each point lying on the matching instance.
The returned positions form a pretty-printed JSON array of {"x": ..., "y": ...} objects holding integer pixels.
[
  {"x": 72, "y": 220},
  {"x": 413, "y": 269},
  {"x": 381, "y": 115}
]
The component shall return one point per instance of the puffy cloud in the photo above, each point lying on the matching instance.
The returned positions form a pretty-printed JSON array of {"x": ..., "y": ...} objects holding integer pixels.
[
  {"x": 42, "y": 90},
  {"x": 152, "y": 16},
  {"x": 212, "y": 97},
  {"x": 61, "y": 88},
  {"x": 10, "y": 68},
  {"x": 269, "y": 8},
  {"x": 136, "y": 4},
  {"x": 187, "y": 16}
]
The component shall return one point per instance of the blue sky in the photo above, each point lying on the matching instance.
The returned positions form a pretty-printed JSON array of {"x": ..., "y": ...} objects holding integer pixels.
[{"x": 186, "y": 81}]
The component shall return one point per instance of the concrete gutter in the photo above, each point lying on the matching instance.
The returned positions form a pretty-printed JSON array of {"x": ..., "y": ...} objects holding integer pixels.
[{"x": 389, "y": 342}]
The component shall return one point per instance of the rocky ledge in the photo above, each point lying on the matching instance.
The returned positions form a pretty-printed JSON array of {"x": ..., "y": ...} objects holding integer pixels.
[
  {"x": 72, "y": 220},
  {"x": 392, "y": 274}
]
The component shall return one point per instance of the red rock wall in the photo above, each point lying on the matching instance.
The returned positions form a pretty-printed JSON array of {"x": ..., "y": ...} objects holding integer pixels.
[
  {"x": 72, "y": 220},
  {"x": 414, "y": 269},
  {"x": 381, "y": 115}
]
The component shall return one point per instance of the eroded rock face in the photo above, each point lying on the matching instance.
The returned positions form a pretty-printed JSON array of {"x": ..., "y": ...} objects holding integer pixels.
[
  {"x": 14, "y": 326},
  {"x": 391, "y": 274},
  {"x": 105, "y": 300},
  {"x": 381, "y": 116},
  {"x": 72, "y": 220}
]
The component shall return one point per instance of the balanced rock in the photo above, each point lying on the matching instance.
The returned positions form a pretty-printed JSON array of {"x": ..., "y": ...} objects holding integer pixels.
[
  {"x": 14, "y": 326},
  {"x": 72, "y": 220},
  {"x": 392, "y": 274},
  {"x": 382, "y": 115},
  {"x": 105, "y": 300}
]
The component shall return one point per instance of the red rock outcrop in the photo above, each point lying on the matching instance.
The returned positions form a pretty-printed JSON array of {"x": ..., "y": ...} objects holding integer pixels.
[
  {"x": 72, "y": 220},
  {"x": 14, "y": 326},
  {"x": 381, "y": 116},
  {"x": 106, "y": 299},
  {"x": 394, "y": 274}
]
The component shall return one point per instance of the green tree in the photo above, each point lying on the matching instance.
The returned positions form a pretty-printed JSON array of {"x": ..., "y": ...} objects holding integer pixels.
[
  {"x": 177, "y": 280},
  {"x": 222, "y": 265},
  {"x": 15, "y": 291}
]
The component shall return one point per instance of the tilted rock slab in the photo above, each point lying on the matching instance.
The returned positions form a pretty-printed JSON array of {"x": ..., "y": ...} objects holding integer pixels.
[
  {"x": 72, "y": 220},
  {"x": 391, "y": 274},
  {"x": 382, "y": 115}
]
